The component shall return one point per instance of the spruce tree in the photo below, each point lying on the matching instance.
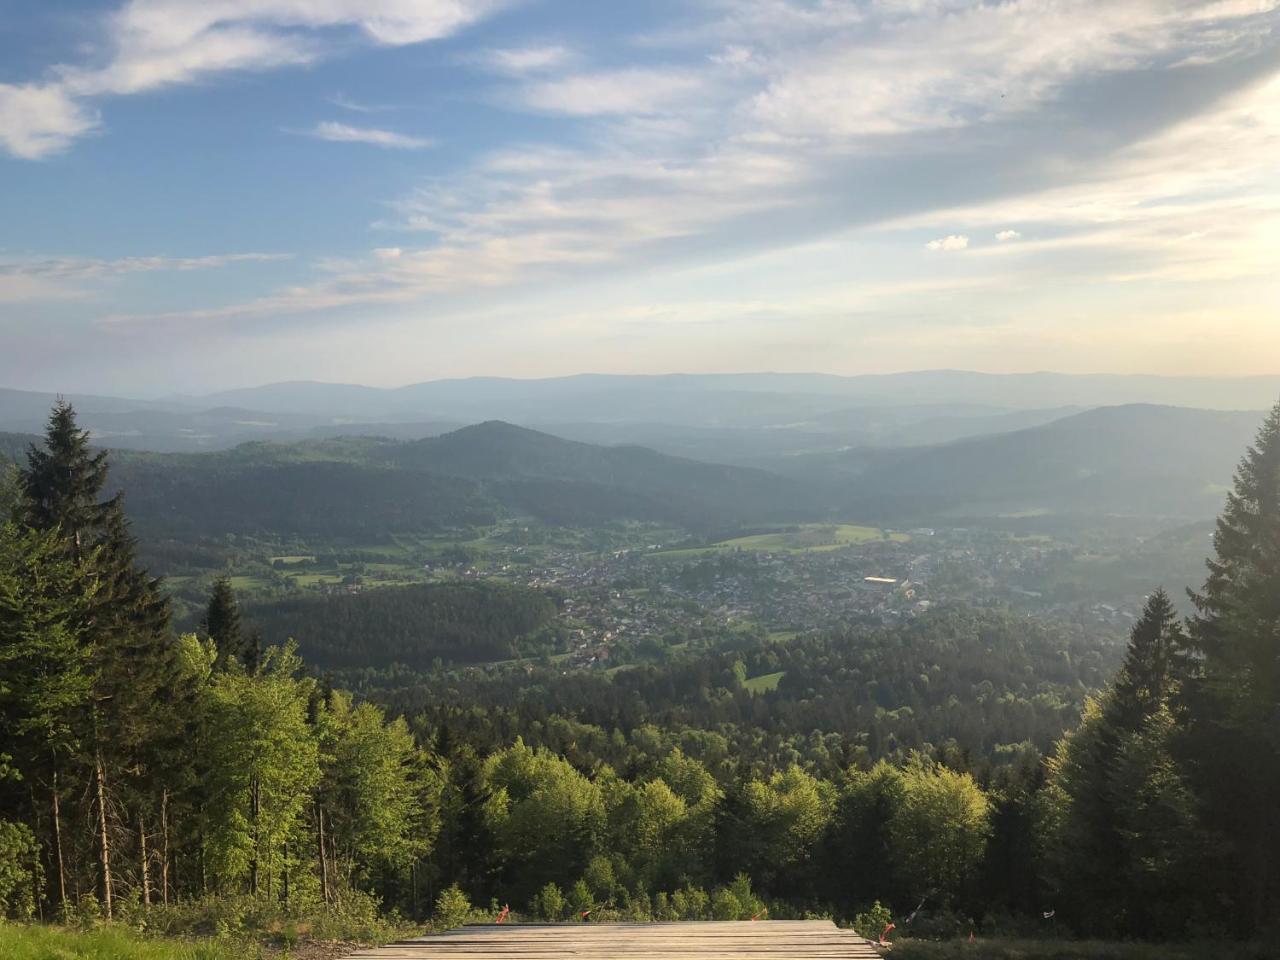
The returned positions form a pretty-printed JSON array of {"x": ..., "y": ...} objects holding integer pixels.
[
  {"x": 1157, "y": 646},
  {"x": 1233, "y": 703},
  {"x": 123, "y": 627},
  {"x": 222, "y": 624},
  {"x": 61, "y": 483}
]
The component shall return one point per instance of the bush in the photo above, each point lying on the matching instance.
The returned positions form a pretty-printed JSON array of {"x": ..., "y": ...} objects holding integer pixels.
[
  {"x": 725, "y": 906},
  {"x": 580, "y": 900},
  {"x": 453, "y": 907},
  {"x": 549, "y": 903},
  {"x": 871, "y": 923},
  {"x": 691, "y": 903},
  {"x": 20, "y": 871}
]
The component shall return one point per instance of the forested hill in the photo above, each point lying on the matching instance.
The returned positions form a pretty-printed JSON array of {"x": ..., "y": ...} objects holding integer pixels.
[
  {"x": 13, "y": 446},
  {"x": 516, "y": 457},
  {"x": 412, "y": 626},
  {"x": 1136, "y": 460},
  {"x": 355, "y": 487}
]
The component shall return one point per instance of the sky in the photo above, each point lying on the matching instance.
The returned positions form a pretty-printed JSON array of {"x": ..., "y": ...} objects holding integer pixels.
[{"x": 202, "y": 194}]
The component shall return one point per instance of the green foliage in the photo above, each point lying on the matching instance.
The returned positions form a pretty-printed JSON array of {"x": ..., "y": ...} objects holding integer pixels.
[
  {"x": 870, "y": 923},
  {"x": 938, "y": 830},
  {"x": 1232, "y": 701},
  {"x": 20, "y": 871},
  {"x": 545, "y": 816},
  {"x": 549, "y": 904},
  {"x": 413, "y": 625},
  {"x": 452, "y": 909},
  {"x": 263, "y": 764}
]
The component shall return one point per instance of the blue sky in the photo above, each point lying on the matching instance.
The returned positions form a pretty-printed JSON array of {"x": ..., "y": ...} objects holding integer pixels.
[{"x": 209, "y": 193}]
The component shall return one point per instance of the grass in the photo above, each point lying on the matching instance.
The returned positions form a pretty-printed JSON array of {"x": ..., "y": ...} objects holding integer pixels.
[
  {"x": 806, "y": 538},
  {"x": 107, "y": 943},
  {"x": 1010, "y": 949},
  {"x": 763, "y": 683}
]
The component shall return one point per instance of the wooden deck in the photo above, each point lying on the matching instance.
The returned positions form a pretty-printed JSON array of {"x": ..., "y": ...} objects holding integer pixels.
[{"x": 765, "y": 940}]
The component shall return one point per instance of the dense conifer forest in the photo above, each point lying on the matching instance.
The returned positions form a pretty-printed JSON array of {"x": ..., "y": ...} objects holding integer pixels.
[{"x": 972, "y": 769}]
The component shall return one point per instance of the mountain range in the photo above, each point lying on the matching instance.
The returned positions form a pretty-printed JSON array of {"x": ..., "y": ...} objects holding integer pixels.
[{"x": 729, "y": 418}]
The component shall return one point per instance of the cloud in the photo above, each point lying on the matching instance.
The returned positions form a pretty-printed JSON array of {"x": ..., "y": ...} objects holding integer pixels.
[
  {"x": 630, "y": 91},
  {"x": 842, "y": 123},
  {"x": 932, "y": 67},
  {"x": 522, "y": 60},
  {"x": 37, "y": 121},
  {"x": 355, "y": 106},
  {"x": 61, "y": 278},
  {"x": 1006, "y": 236},
  {"x": 344, "y": 133},
  {"x": 153, "y": 44}
]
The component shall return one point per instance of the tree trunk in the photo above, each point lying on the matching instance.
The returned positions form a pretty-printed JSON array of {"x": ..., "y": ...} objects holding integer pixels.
[
  {"x": 253, "y": 817},
  {"x": 57, "y": 844},
  {"x": 164, "y": 847},
  {"x": 104, "y": 842},
  {"x": 324, "y": 860},
  {"x": 144, "y": 862}
]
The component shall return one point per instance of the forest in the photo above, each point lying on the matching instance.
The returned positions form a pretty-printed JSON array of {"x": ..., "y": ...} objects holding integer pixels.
[{"x": 970, "y": 770}]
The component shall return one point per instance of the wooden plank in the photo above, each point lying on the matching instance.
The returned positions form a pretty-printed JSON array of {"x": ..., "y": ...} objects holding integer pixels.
[{"x": 736, "y": 940}]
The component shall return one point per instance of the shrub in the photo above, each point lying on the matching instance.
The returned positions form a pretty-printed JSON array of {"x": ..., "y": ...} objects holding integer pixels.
[
  {"x": 870, "y": 923},
  {"x": 20, "y": 871},
  {"x": 549, "y": 903},
  {"x": 453, "y": 907},
  {"x": 725, "y": 906}
]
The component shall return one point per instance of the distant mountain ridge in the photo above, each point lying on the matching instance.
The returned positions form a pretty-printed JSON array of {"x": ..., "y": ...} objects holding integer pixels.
[
  {"x": 1136, "y": 459},
  {"x": 737, "y": 419},
  {"x": 355, "y": 487},
  {"x": 491, "y": 397}
]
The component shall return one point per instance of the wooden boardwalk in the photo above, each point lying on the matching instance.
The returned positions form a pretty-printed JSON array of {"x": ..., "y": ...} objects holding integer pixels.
[{"x": 765, "y": 940}]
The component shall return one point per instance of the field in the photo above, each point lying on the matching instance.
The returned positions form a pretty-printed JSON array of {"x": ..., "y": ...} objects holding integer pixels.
[
  {"x": 805, "y": 538},
  {"x": 764, "y": 683}
]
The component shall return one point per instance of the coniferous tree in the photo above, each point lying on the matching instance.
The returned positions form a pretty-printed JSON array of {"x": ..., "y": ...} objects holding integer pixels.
[
  {"x": 222, "y": 624},
  {"x": 1153, "y": 662},
  {"x": 123, "y": 626},
  {"x": 45, "y": 674},
  {"x": 61, "y": 483},
  {"x": 1233, "y": 701}
]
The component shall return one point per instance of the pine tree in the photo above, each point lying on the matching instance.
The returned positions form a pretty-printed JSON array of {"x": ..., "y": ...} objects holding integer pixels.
[
  {"x": 46, "y": 677},
  {"x": 1156, "y": 652},
  {"x": 1233, "y": 704},
  {"x": 124, "y": 629},
  {"x": 61, "y": 484},
  {"x": 222, "y": 624}
]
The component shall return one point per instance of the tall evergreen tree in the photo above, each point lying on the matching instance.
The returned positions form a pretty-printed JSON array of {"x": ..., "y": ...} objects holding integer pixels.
[
  {"x": 1152, "y": 665},
  {"x": 1233, "y": 704},
  {"x": 124, "y": 629},
  {"x": 222, "y": 624},
  {"x": 61, "y": 483}
]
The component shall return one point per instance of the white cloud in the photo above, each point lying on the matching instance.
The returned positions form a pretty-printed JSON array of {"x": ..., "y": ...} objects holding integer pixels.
[
  {"x": 152, "y": 44},
  {"x": 630, "y": 91},
  {"x": 679, "y": 153},
  {"x": 355, "y": 106},
  {"x": 521, "y": 60},
  {"x": 345, "y": 133},
  {"x": 36, "y": 121},
  {"x": 948, "y": 66}
]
